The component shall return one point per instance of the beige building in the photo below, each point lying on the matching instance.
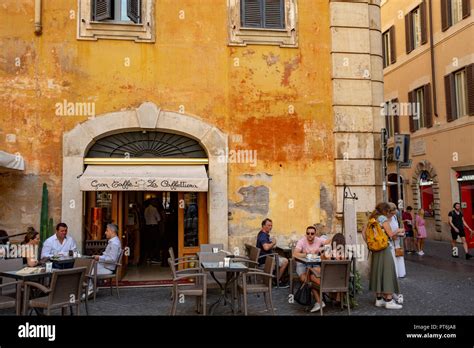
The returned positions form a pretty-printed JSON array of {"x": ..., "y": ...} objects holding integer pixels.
[{"x": 429, "y": 83}]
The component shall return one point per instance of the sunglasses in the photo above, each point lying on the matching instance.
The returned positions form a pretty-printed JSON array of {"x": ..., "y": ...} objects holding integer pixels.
[{"x": 310, "y": 233}]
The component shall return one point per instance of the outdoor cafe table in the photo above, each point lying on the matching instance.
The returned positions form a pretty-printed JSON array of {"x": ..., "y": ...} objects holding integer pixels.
[
  {"x": 313, "y": 262},
  {"x": 234, "y": 269},
  {"x": 63, "y": 262},
  {"x": 26, "y": 278}
]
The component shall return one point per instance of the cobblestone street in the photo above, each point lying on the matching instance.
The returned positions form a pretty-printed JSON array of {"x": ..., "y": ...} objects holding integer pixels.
[{"x": 436, "y": 284}]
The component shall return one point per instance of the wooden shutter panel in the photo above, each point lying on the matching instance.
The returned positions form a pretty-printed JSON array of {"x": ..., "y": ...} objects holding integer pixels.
[
  {"x": 411, "y": 100},
  {"x": 396, "y": 117},
  {"x": 393, "y": 51},
  {"x": 252, "y": 13},
  {"x": 470, "y": 89},
  {"x": 424, "y": 35},
  {"x": 428, "y": 111},
  {"x": 445, "y": 14},
  {"x": 408, "y": 34},
  {"x": 466, "y": 8},
  {"x": 448, "y": 90},
  {"x": 103, "y": 9},
  {"x": 134, "y": 10},
  {"x": 274, "y": 14}
]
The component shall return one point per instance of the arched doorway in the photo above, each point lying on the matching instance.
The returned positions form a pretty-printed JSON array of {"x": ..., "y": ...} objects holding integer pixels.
[
  {"x": 90, "y": 137},
  {"x": 425, "y": 188},
  {"x": 393, "y": 190}
]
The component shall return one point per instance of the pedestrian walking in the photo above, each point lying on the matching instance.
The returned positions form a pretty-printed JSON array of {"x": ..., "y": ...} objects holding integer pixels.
[
  {"x": 457, "y": 223},
  {"x": 420, "y": 231}
]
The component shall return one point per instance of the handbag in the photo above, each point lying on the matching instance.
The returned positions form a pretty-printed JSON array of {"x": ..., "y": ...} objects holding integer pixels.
[
  {"x": 303, "y": 294},
  {"x": 399, "y": 252}
]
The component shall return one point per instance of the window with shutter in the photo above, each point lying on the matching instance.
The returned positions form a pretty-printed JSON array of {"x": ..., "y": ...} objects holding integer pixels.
[
  {"x": 133, "y": 10},
  {"x": 263, "y": 22},
  {"x": 116, "y": 19},
  {"x": 103, "y": 9},
  {"x": 411, "y": 100},
  {"x": 449, "y": 93},
  {"x": 445, "y": 14},
  {"x": 393, "y": 51},
  {"x": 428, "y": 115},
  {"x": 466, "y": 8},
  {"x": 460, "y": 93},
  {"x": 265, "y": 14},
  {"x": 470, "y": 88},
  {"x": 423, "y": 28},
  {"x": 396, "y": 116},
  {"x": 408, "y": 35}
]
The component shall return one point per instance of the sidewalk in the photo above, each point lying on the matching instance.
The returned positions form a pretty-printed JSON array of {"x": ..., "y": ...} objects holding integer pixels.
[{"x": 436, "y": 284}]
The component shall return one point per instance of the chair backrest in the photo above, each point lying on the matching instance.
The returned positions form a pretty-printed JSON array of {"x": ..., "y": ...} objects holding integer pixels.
[
  {"x": 269, "y": 264},
  {"x": 335, "y": 275},
  {"x": 211, "y": 257},
  {"x": 84, "y": 262},
  {"x": 207, "y": 248},
  {"x": 66, "y": 286},
  {"x": 254, "y": 253},
  {"x": 9, "y": 265},
  {"x": 118, "y": 267},
  {"x": 172, "y": 266}
]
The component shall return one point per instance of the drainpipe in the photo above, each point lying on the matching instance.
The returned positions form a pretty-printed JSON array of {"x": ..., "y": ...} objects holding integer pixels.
[
  {"x": 38, "y": 25},
  {"x": 433, "y": 75}
]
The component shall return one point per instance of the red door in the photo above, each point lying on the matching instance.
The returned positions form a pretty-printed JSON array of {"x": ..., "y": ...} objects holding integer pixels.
[{"x": 467, "y": 202}]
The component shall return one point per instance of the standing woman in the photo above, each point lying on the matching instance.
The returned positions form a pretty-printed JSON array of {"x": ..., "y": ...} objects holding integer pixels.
[
  {"x": 397, "y": 243},
  {"x": 421, "y": 231},
  {"x": 383, "y": 276},
  {"x": 30, "y": 248}
]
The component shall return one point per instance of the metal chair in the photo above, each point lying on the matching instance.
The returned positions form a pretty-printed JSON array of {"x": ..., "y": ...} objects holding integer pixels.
[
  {"x": 199, "y": 289},
  {"x": 264, "y": 287},
  {"x": 65, "y": 291},
  {"x": 335, "y": 278},
  {"x": 88, "y": 263},
  {"x": 115, "y": 274}
]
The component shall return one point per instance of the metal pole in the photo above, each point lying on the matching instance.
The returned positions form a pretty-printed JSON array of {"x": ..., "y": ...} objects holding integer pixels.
[
  {"x": 384, "y": 164},
  {"x": 398, "y": 184}
]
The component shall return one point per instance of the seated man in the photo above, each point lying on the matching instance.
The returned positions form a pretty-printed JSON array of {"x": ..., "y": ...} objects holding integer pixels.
[
  {"x": 309, "y": 245},
  {"x": 59, "y": 243},
  {"x": 106, "y": 261},
  {"x": 266, "y": 244}
]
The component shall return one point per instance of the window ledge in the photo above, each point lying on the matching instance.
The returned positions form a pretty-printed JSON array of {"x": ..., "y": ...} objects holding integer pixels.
[{"x": 94, "y": 30}]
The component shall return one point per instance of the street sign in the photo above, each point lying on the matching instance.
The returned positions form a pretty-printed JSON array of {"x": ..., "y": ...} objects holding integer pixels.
[{"x": 399, "y": 149}]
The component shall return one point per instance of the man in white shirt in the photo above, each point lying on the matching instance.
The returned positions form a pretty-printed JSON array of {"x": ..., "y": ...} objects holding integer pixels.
[
  {"x": 59, "y": 243},
  {"x": 152, "y": 230},
  {"x": 106, "y": 261}
]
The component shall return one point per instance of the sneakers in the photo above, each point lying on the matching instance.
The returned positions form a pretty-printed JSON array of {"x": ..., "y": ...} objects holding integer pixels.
[
  {"x": 392, "y": 305},
  {"x": 399, "y": 299},
  {"x": 468, "y": 256},
  {"x": 421, "y": 253},
  {"x": 317, "y": 307},
  {"x": 379, "y": 303}
]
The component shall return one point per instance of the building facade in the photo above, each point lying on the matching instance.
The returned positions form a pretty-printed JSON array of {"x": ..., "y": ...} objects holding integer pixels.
[
  {"x": 246, "y": 109},
  {"x": 429, "y": 85}
]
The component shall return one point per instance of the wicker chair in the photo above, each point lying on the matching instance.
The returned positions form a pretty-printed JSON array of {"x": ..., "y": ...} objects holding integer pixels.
[
  {"x": 335, "y": 278},
  {"x": 115, "y": 274},
  {"x": 9, "y": 301},
  {"x": 88, "y": 263},
  {"x": 265, "y": 286},
  {"x": 65, "y": 291},
  {"x": 199, "y": 289}
]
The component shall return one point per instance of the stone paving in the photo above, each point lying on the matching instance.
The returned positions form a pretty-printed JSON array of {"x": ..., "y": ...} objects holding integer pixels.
[{"x": 436, "y": 284}]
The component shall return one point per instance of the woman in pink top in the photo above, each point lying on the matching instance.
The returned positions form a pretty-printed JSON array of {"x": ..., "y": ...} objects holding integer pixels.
[{"x": 421, "y": 230}]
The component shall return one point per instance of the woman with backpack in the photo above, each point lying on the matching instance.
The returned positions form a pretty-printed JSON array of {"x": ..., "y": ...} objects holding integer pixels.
[{"x": 383, "y": 277}]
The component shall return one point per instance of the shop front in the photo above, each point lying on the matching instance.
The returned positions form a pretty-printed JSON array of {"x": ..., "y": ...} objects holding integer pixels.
[
  {"x": 465, "y": 180},
  {"x": 142, "y": 157}
]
